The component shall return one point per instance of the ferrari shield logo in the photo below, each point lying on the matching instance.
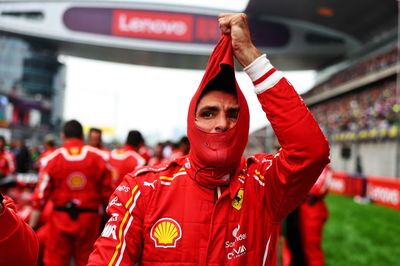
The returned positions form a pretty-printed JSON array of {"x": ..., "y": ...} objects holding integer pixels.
[{"x": 238, "y": 200}]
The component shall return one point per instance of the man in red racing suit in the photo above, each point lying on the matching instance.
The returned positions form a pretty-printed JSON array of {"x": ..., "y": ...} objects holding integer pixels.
[
  {"x": 124, "y": 160},
  {"x": 313, "y": 214},
  {"x": 73, "y": 177},
  {"x": 304, "y": 226},
  {"x": 7, "y": 159},
  {"x": 213, "y": 207}
]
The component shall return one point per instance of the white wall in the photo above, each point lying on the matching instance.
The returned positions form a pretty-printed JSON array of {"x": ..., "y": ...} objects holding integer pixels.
[{"x": 377, "y": 158}]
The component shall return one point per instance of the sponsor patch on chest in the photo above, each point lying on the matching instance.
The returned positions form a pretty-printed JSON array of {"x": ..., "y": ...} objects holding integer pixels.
[
  {"x": 236, "y": 248},
  {"x": 165, "y": 233},
  {"x": 238, "y": 200},
  {"x": 76, "y": 180}
]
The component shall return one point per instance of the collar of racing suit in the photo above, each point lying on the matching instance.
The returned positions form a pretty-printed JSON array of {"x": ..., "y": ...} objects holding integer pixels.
[
  {"x": 128, "y": 147},
  {"x": 73, "y": 142},
  {"x": 215, "y": 157}
]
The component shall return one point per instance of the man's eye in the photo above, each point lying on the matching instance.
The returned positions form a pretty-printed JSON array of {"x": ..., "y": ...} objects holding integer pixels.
[
  {"x": 233, "y": 115},
  {"x": 206, "y": 114}
]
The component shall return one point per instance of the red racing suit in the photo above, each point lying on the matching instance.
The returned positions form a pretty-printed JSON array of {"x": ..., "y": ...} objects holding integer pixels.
[
  {"x": 18, "y": 242},
  {"x": 313, "y": 214},
  {"x": 164, "y": 216},
  {"x": 7, "y": 163},
  {"x": 47, "y": 151},
  {"x": 146, "y": 153},
  {"x": 73, "y": 177},
  {"x": 123, "y": 161}
]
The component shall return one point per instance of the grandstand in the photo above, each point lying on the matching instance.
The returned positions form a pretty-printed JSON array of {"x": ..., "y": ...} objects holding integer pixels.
[
  {"x": 357, "y": 109},
  {"x": 356, "y": 101}
]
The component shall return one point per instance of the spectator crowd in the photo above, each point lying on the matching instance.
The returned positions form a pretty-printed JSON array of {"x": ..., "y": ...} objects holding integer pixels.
[
  {"x": 358, "y": 70},
  {"x": 366, "y": 113}
]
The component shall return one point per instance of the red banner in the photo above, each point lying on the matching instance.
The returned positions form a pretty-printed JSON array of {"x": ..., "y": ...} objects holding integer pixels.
[
  {"x": 152, "y": 25},
  {"x": 381, "y": 190},
  {"x": 384, "y": 191},
  {"x": 338, "y": 183}
]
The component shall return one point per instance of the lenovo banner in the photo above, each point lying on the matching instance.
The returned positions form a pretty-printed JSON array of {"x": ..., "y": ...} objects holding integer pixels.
[
  {"x": 144, "y": 24},
  {"x": 165, "y": 26},
  {"x": 152, "y": 25}
]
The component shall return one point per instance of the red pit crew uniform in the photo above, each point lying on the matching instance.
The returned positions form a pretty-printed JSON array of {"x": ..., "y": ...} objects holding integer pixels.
[
  {"x": 313, "y": 214},
  {"x": 44, "y": 154},
  {"x": 146, "y": 153},
  {"x": 73, "y": 177},
  {"x": 124, "y": 161},
  {"x": 168, "y": 216},
  {"x": 7, "y": 163},
  {"x": 104, "y": 149},
  {"x": 18, "y": 242}
]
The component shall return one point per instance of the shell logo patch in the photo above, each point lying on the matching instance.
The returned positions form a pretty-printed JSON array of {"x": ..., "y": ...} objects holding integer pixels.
[
  {"x": 238, "y": 200},
  {"x": 165, "y": 233},
  {"x": 74, "y": 150},
  {"x": 76, "y": 180}
]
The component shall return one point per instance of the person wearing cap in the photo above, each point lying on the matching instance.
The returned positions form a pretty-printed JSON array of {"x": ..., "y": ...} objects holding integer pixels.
[{"x": 213, "y": 207}]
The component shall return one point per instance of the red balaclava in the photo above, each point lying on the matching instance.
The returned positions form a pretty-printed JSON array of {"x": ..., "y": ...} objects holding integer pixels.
[{"x": 215, "y": 156}]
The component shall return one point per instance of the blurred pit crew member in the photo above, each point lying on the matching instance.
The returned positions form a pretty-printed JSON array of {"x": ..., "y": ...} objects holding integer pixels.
[
  {"x": 305, "y": 226},
  {"x": 124, "y": 160},
  {"x": 73, "y": 177},
  {"x": 95, "y": 139},
  {"x": 7, "y": 159}
]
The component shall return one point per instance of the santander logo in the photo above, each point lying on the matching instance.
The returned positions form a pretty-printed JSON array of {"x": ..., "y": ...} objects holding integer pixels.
[
  {"x": 239, "y": 249},
  {"x": 237, "y": 237},
  {"x": 235, "y": 231},
  {"x": 152, "y": 25}
]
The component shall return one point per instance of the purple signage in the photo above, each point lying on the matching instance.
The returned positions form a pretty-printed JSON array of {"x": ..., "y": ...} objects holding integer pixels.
[{"x": 164, "y": 26}]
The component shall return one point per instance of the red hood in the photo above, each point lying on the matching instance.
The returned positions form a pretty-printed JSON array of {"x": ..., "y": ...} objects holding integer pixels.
[{"x": 216, "y": 154}]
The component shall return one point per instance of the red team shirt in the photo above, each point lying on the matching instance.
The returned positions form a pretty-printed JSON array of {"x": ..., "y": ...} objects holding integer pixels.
[
  {"x": 146, "y": 153},
  {"x": 124, "y": 161},
  {"x": 79, "y": 174},
  {"x": 312, "y": 218},
  {"x": 74, "y": 172},
  {"x": 7, "y": 162}
]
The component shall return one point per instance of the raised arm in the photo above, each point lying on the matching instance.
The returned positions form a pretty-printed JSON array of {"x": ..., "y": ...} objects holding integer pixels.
[
  {"x": 294, "y": 169},
  {"x": 237, "y": 26}
]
